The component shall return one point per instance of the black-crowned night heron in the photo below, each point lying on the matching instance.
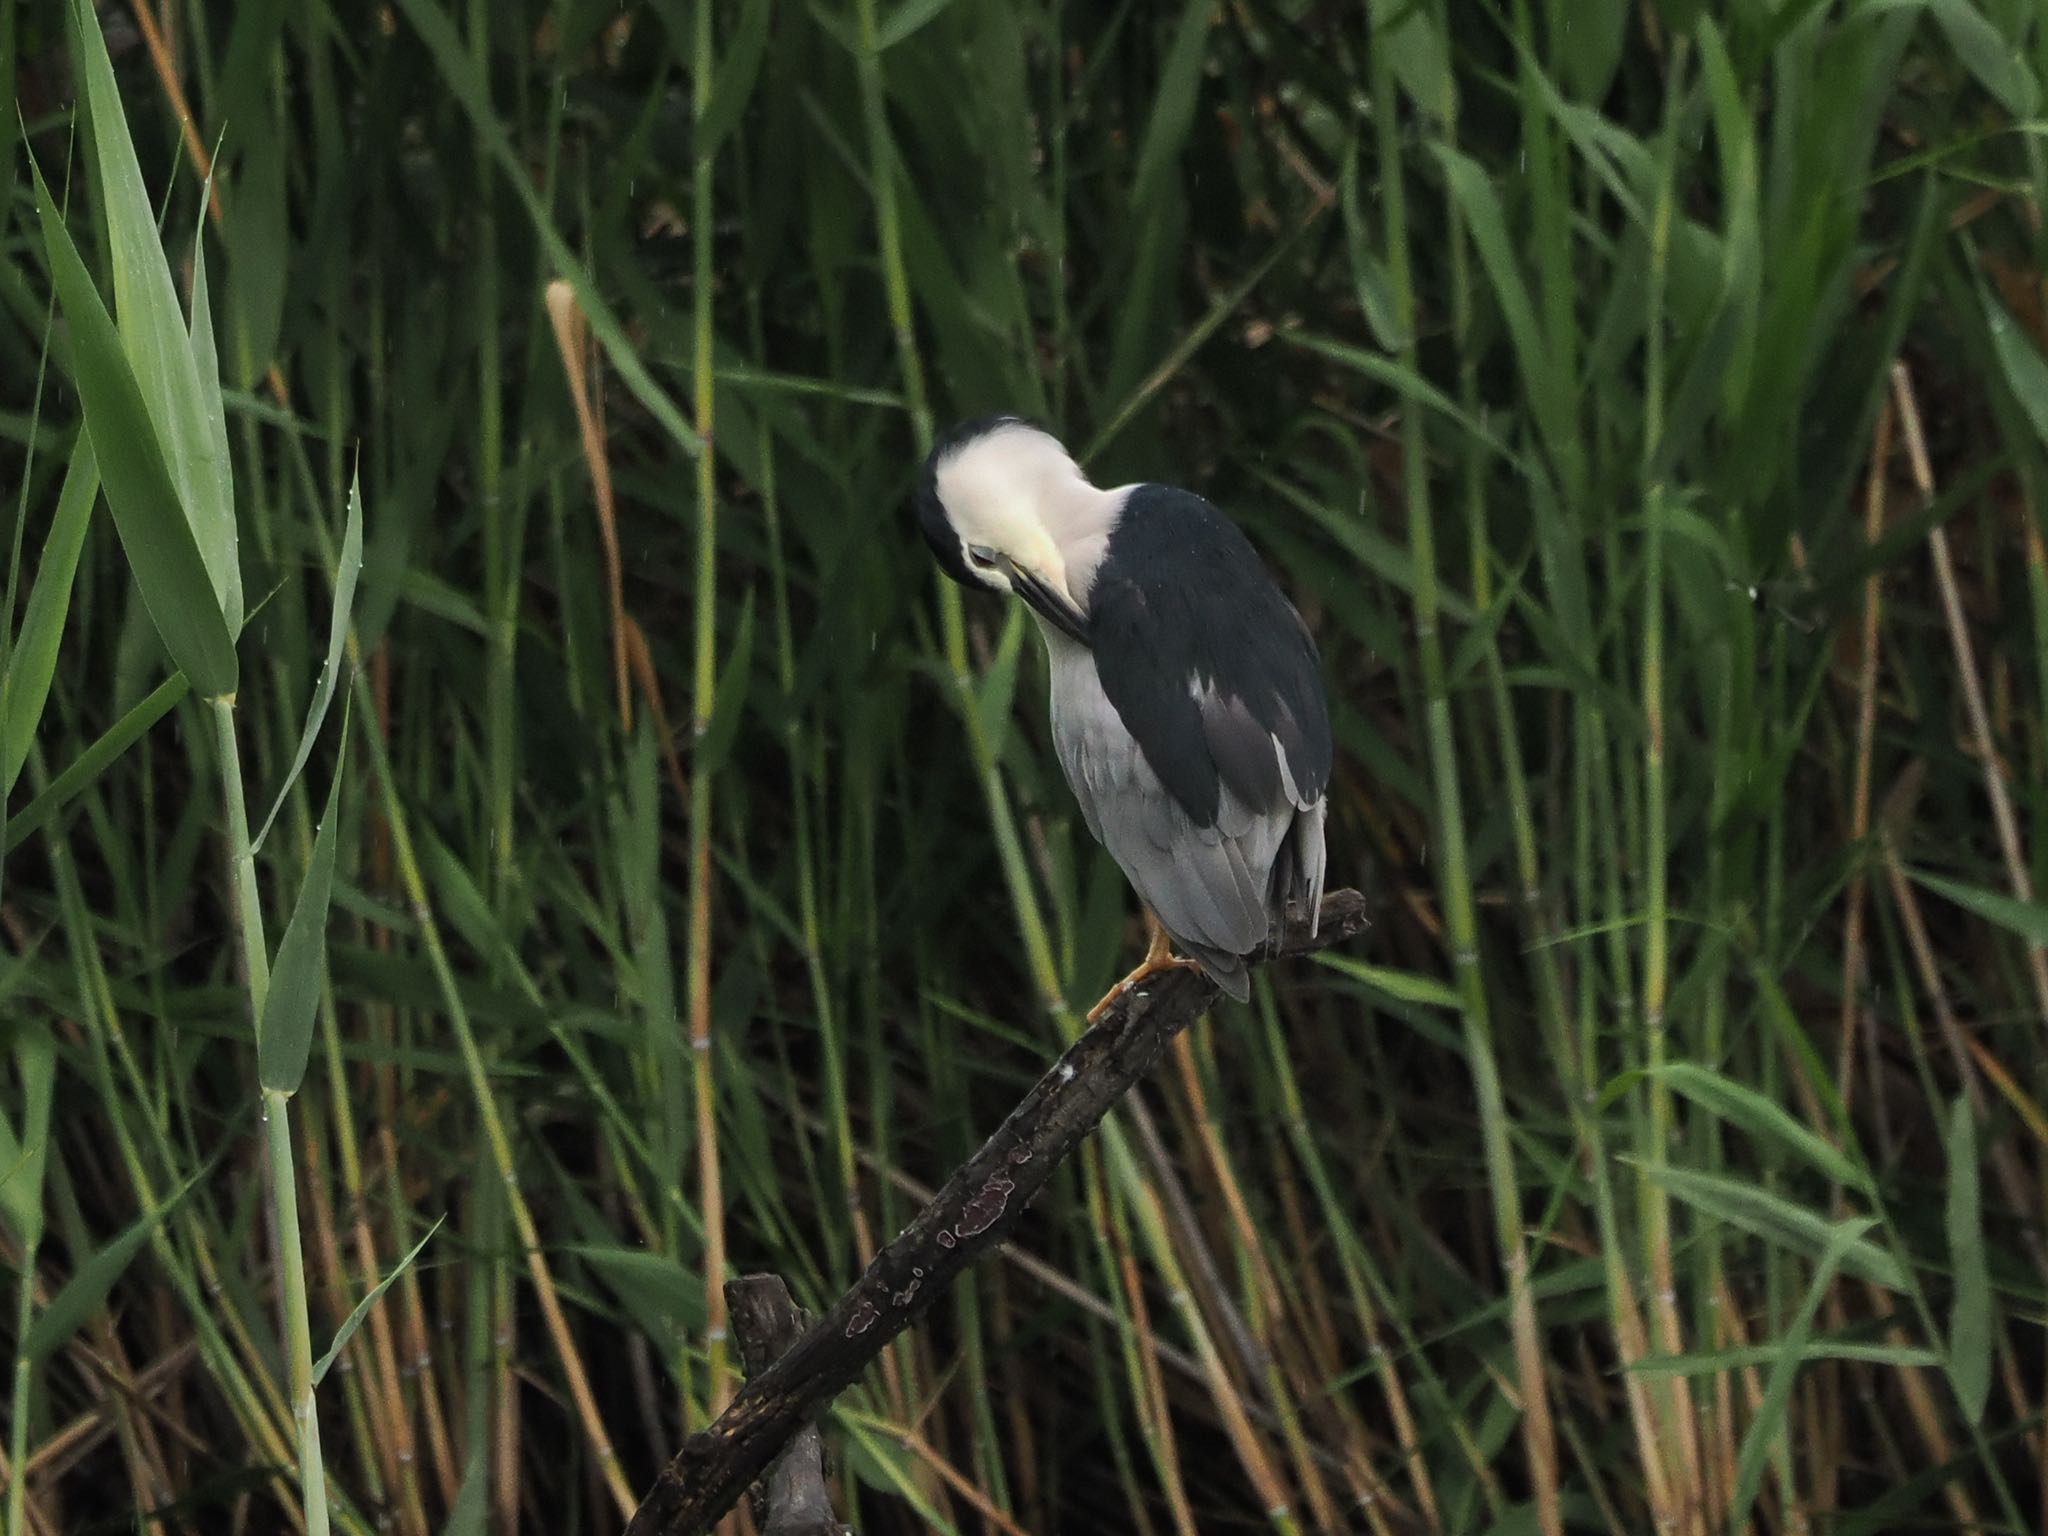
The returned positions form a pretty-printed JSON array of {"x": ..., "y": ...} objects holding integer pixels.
[{"x": 1187, "y": 696}]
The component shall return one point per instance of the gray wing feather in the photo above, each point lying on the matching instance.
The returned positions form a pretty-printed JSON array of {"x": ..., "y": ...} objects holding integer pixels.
[
  {"x": 1208, "y": 889},
  {"x": 1304, "y": 856},
  {"x": 1211, "y": 886},
  {"x": 1307, "y": 860}
]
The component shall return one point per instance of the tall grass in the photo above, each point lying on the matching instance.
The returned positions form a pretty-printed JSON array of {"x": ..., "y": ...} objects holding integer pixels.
[{"x": 1646, "y": 406}]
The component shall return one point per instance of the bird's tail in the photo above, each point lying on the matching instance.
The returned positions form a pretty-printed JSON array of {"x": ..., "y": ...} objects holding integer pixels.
[
  {"x": 1226, "y": 970},
  {"x": 1298, "y": 867}
]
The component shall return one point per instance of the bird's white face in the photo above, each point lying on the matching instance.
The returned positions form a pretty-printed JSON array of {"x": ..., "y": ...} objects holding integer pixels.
[
  {"x": 1026, "y": 519},
  {"x": 990, "y": 491}
]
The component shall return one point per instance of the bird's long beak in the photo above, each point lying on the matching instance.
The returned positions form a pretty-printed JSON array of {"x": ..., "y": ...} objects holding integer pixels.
[{"x": 1051, "y": 604}]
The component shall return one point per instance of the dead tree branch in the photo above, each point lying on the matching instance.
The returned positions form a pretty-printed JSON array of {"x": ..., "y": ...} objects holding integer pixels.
[
  {"x": 766, "y": 1323},
  {"x": 968, "y": 1219}
]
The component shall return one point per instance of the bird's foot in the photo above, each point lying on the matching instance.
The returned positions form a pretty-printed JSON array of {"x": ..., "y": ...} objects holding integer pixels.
[{"x": 1159, "y": 956}]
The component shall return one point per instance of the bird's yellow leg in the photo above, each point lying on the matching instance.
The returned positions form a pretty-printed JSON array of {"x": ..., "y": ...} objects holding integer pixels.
[{"x": 1159, "y": 956}]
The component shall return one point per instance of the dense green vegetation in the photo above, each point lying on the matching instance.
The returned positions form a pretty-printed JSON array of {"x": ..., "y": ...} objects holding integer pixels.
[{"x": 1646, "y": 405}]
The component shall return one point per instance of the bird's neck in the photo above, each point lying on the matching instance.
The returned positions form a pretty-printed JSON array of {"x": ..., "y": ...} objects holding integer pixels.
[{"x": 1079, "y": 517}]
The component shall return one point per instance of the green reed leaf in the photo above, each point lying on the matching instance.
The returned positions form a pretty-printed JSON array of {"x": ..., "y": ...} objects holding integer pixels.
[{"x": 169, "y": 569}]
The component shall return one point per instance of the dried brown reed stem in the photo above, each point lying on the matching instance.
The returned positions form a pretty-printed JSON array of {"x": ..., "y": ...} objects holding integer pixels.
[
  {"x": 1967, "y": 672},
  {"x": 572, "y": 339}
]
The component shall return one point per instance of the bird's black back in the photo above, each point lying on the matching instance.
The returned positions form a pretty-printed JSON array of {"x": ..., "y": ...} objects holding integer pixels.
[{"x": 1182, "y": 603}]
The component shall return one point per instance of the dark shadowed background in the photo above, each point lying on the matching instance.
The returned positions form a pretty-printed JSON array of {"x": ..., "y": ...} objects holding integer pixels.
[{"x": 1644, "y": 403}]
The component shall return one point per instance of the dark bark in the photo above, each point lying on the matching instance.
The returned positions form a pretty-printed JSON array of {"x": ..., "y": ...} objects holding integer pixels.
[
  {"x": 968, "y": 1219},
  {"x": 766, "y": 1323}
]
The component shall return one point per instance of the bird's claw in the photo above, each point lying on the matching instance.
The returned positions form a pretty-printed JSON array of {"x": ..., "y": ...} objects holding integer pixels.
[{"x": 1160, "y": 957}]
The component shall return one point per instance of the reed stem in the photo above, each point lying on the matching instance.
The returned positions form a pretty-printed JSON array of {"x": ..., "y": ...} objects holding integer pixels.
[
  {"x": 284, "y": 1186},
  {"x": 711, "y": 1194}
]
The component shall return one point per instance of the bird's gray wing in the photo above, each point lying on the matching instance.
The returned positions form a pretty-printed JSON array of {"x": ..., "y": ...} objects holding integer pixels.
[
  {"x": 1208, "y": 884},
  {"x": 1258, "y": 781},
  {"x": 1217, "y": 679}
]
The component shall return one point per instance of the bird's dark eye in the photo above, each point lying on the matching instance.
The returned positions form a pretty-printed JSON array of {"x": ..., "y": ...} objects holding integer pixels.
[{"x": 981, "y": 557}]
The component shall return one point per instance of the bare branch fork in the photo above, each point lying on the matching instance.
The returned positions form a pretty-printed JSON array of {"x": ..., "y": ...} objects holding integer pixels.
[
  {"x": 967, "y": 1220},
  {"x": 767, "y": 1321}
]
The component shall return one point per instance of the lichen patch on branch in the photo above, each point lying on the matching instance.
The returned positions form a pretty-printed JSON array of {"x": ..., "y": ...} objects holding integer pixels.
[{"x": 986, "y": 1208}]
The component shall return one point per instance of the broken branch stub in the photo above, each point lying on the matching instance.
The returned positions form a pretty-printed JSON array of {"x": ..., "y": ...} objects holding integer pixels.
[
  {"x": 967, "y": 1219},
  {"x": 766, "y": 1321}
]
